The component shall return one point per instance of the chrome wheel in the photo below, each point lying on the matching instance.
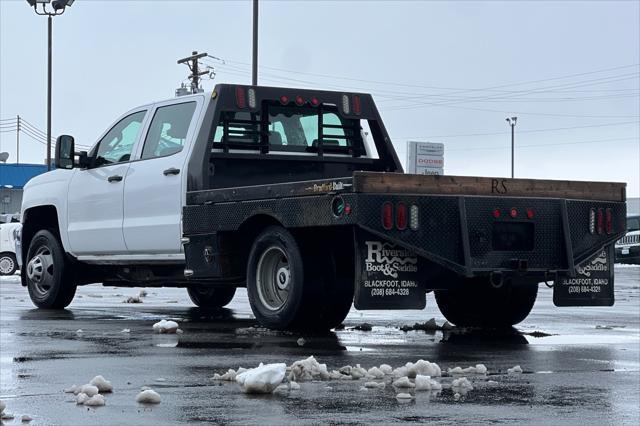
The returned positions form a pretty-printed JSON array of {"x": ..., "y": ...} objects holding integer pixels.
[
  {"x": 40, "y": 270},
  {"x": 273, "y": 278},
  {"x": 7, "y": 265}
]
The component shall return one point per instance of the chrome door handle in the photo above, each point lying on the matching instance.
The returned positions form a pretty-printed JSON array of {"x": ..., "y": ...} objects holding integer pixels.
[
  {"x": 114, "y": 178},
  {"x": 171, "y": 171}
]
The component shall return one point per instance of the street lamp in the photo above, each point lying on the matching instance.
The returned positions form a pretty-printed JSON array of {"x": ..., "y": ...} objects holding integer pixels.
[
  {"x": 512, "y": 123},
  {"x": 58, "y": 7}
]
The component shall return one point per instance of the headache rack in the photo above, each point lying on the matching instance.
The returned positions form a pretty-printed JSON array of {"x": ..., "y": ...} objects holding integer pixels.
[{"x": 243, "y": 130}]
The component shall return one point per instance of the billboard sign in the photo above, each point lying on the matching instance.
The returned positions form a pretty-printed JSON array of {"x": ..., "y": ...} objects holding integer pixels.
[{"x": 425, "y": 158}]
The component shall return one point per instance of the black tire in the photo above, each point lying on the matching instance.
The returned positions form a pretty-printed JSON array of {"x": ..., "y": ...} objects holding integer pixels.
[
  {"x": 211, "y": 297},
  {"x": 296, "y": 289},
  {"x": 8, "y": 263},
  {"x": 47, "y": 271},
  {"x": 474, "y": 302},
  {"x": 276, "y": 258}
]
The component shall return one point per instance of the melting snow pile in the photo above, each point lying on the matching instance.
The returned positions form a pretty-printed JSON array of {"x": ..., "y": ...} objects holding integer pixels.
[
  {"x": 148, "y": 396},
  {"x": 514, "y": 370},
  {"x": 478, "y": 369},
  {"x": 308, "y": 369},
  {"x": 133, "y": 299},
  {"x": 102, "y": 384},
  {"x": 461, "y": 385},
  {"x": 165, "y": 326},
  {"x": 262, "y": 379},
  {"x": 426, "y": 383},
  {"x": 89, "y": 394},
  {"x": 421, "y": 366}
]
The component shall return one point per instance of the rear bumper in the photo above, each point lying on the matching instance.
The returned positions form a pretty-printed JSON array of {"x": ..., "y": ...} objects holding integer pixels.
[{"x": 456, "y": 231}]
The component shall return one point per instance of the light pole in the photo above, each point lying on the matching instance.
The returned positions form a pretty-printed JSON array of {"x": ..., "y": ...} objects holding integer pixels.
[
  {"x": 254, "y": 50},
  {"x": 58, "y": 7},
  {"x": 512, "y": 123}
]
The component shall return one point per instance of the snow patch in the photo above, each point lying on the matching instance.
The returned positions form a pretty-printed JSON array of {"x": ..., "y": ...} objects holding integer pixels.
[
  {"x": 132, "y": 299},
  {"x": 404, "y": 396},
  {"x": 386, "y": 368},
  {"x": 461, "y": 385},
  {"x": 403, "y": 382},
  {"x": 26, "y": 418},
  {"x": 426, "y": 383},
  {"x": 102, "y": 384},
  {"x": 374, "y": 385},
  {"x": 125, "y": 330},
  {"x": 165, "y": 326},
  {"x": 95, "y": 401},
  {"x": 294, "y": 386},
  {"x": 148, "y": 396},
  {"x": 308, "y": 369},
  {"x": 82, "y": 398},
  {"x": 514, "y": 370},
  {"x": 376, "y": 373},
  {"x": 88, "y": 389},
  {"x": 478, "y": 369},
  {"x": 263, "y": 379}
]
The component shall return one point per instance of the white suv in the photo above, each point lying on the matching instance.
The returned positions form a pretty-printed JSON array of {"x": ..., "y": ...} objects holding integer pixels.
[{"x": 628, "y": 247}]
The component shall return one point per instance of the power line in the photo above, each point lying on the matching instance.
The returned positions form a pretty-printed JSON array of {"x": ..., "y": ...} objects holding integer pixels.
[
  {"x": 636, "y": 138},
  {"x": 520, "y": 131}
]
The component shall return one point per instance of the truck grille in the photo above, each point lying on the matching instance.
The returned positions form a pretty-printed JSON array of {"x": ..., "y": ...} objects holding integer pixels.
[{"x": 629, "y": 239}]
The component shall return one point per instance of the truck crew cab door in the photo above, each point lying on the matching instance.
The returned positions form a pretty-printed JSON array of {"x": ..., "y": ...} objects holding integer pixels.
[
  {"x": 155, "y": 188},
  {"x": 95, "y": 193}
]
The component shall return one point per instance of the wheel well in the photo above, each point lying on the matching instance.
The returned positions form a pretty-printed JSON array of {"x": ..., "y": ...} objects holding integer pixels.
[
  {"x": 36, "y": 219},
  {"x": 250, "y": 229}
]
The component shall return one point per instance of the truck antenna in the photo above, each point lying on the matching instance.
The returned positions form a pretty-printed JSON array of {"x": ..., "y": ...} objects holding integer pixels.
[{"x": 194, "y": 67}]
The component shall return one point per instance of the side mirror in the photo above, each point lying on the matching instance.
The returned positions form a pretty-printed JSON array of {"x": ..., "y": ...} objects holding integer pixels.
[{"x": 65, "y": 146}]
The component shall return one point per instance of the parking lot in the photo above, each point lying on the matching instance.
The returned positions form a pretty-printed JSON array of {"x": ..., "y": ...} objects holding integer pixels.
[{"x": 580, "y": 365}]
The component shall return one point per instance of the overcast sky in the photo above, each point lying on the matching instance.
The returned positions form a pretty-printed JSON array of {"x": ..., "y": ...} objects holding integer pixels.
[{"x": 440, "y": 71}]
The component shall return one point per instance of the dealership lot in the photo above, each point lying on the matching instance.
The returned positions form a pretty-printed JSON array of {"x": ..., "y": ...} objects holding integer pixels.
[{"x": 580, "y": 365}]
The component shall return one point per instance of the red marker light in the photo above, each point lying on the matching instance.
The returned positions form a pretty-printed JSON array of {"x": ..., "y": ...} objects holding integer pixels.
[
  {"x": 356, "y": 104},
  {"x": 496, "y": 213},
  {"x": 530, "y": 213},
  {"x": 241, "y": 99},
  {"x": 401, "y": 216},
  {"x": 387, "y": 216},
  {"x": 513, "y": 212},
  {"x": 609, "y": 221},
  {"x": 347, "y": 209},
  {"x": 299, "y": 100},
  {"x": 600, "y": 227},
  {"x": 284, "y": 99},
  {"x": 315, "y": 101}
]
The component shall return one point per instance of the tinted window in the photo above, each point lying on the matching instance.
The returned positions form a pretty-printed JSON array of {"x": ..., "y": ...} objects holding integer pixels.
[
  {"x": 168, "y": 130},
  {"x": 633, "y": 223},
  {"x": 116, "y": 146}
]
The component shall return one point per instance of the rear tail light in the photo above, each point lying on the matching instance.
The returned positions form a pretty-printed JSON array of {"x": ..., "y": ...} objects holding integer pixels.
[
  {"x": 315, "y": 101},
  {"x": 496, "y": 213},
  {"x": 299, "y": 100},
  {"x": 252, "y": 98},
  {"x": 609, "y": 221},
  {"x": 600, "y": 223},
  {"x": 284, "y": 99},
  {"x": 513, "y": 212},
  {"x": 241, "y": 100},
  {"x": 356, "y": 104},
  {"x": 530, "y": 213},
  {"x": 592, "y": 221},
  {"x": 387, "y": 216},
  {"x": 345, "y": 104},
  {"x": 401, "y": 216},
  {"x": 414, "y": 217}
]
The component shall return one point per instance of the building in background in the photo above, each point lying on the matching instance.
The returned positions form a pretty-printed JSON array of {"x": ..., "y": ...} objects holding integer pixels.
[
  {"x": 13, "y": 178},
  {"x": 425, "y": 158}
]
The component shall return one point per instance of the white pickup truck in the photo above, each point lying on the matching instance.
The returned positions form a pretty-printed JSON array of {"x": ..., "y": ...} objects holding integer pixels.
[
  {"x": 9, "y": 231},
  {"x": 298, "y": 195}
]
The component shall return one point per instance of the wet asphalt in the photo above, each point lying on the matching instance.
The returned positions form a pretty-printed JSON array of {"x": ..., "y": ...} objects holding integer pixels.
[{"x": 581, "y": 365}]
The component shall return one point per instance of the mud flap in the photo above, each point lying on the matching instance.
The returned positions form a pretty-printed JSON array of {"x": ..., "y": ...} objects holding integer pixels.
[
  {"x": 592, "y": 285},
  {"x": 387, "y": 276}
]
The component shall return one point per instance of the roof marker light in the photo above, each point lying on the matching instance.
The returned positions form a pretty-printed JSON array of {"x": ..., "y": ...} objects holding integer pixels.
[{"x": 299, "y": 100}]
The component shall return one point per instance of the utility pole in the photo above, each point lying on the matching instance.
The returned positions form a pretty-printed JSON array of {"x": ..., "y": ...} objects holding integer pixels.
[
  {"x": 254, "y": 63},
  {"x": 18, "y": 142},
  {"x": 49, "y": 100},
  {"x": 512, "y": 123},
  {"x": 192, "y": 63}
]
